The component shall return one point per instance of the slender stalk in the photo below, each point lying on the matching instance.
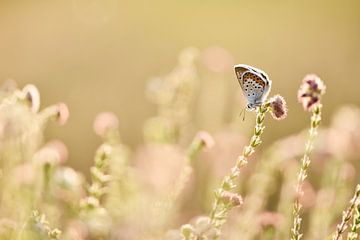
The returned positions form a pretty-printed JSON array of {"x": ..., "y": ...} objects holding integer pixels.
[
  {"x": 195, "y": 147},
  {"x": 220, "y": 211},
  {"x": 347, "y": 214},
  {"x": 355, "y": 227},
  {"x": 169, "y": 205},
  {"x": 259, "y": 188},
  {"x": 305, "y": 162}
]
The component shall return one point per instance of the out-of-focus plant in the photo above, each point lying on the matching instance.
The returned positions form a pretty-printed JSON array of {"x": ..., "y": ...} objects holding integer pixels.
[
  {"x": 42, "y": 227},
  {"x": 225, "y": 199},
  {"x": 220, "y": 210},
  {"x": 355, "y": 226},
  {"x": 173, "y": 95},
  {"x": 347, "y": 215},
  {"x": 160, "y": 185},
  {"x": 309, "y": 96}
]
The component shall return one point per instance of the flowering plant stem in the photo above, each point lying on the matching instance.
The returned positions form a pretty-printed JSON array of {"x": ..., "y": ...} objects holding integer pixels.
[
  {"x": 354, "y": 230},
  {"x": 347, "y": 214},
  {"x": 195, "y": 147},
  {"x": 220, "y": 210},
  {"x": 305, "y": 162}
]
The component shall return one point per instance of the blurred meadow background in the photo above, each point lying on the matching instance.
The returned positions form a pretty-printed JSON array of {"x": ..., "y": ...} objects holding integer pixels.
[
  {"x": 98, "y": 56},
  {"x": 114, "y": 56}
]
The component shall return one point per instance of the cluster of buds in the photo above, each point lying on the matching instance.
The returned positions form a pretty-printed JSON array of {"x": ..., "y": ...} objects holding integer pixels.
[
  {"x": 105, "y": 124},
  {"x": 233, "y": 199},
  {"x": 200, "y": 229},
  {"x": 310, "y": 91},
  {"x": 278, "y": 107},
  {"x": 43, "y": 227},
  {"x": 99, "y": 178}
]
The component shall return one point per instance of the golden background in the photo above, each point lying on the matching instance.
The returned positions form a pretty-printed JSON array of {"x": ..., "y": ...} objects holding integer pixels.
[{"x": 97, "y": 55}]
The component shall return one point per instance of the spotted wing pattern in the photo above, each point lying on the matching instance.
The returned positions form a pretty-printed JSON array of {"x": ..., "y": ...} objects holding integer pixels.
[{"x": 254, "y": 82}]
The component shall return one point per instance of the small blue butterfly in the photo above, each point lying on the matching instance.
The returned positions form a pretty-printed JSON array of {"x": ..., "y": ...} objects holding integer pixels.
[{"x": 254, "y": 83}]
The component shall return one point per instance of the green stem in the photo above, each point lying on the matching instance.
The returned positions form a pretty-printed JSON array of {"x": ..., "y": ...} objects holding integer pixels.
[
  {"x": 305, "y": 162},
  {"x": 220, "y": 211}
]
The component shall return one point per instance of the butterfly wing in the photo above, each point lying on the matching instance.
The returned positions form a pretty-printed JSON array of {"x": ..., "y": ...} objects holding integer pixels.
[
  {"x": 253, "y": 86},
  {"x": 262, "y": 95},
  {"x": 239, "y": 70},
  {"x": 254, "y": 82}
]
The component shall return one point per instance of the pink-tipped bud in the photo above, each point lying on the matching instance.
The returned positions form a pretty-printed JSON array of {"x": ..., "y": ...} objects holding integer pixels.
[
  {"x": 32, "y": 96},
  {"x": 270, "y": 219},
  {"x": 105, "y": 122},
  {"x": 205, "y": 139},
  {"x": 233, "y": 198},
  {"x": 60, "y": 148},
  {"x": 278, "y": 107},
  {"x": 310, "y": 91},
  {"x": 63, "y": 113}
]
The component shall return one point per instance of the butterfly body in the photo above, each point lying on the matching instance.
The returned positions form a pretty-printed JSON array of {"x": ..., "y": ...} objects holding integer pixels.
[{"x": 254, "y": 83}]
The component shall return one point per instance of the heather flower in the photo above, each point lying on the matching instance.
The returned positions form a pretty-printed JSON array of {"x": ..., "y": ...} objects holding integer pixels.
[
  {"x": 105, "y": 122},
  {"x": 232, "y": 198},
  {"x": 47, "y": 155},
  {"x": 60, "y": 148},
  {"x": 200, "y": 228},
  {"x": 310, "y": 91},
  {"x": 58, "y": 113},
  {"x": 62, "y": 113},
  {"x": 220, "y": 211},
  {"x": 205, "y": 139},
  {"x": 347, "y": 215},
  {"x": 309, "y": 95},
  {"x": 54, "y": 152},
  {"x": 270, "y": 219},
  {"x": 42, "y": 226},
  {"x": 99, "y": 179},
  {"x": 278, "y": 107},
  {"x": 353, "y": 233}
]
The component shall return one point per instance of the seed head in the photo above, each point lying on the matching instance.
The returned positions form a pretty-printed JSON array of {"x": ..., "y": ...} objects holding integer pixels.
[{"x": 310, "y": 91}]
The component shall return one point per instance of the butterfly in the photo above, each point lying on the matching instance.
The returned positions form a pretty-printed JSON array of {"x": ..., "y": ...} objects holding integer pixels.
[{"x": 254, "y": 83}]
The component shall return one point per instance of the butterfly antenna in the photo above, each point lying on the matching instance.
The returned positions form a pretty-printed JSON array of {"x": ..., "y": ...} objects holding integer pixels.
[{"x": 242, "y": 113}]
